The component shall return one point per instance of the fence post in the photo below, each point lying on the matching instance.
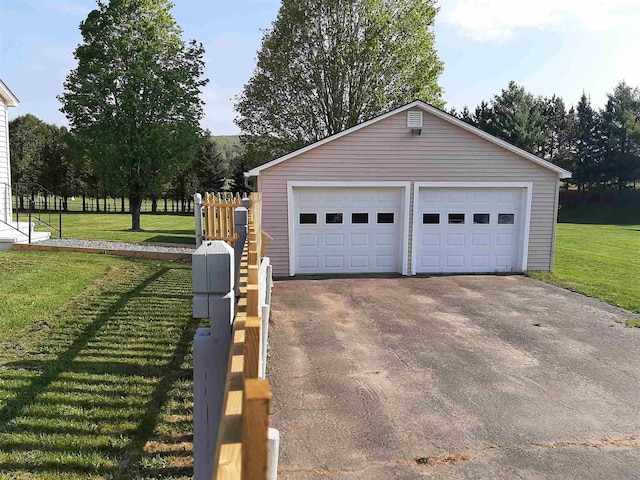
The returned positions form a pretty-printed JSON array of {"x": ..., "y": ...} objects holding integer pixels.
[
  {"x": 274, "y": 451},
  {"x": 255, "y": 426},
  {"x": 266, "y": 311},
  {"x": 213, "y": 277},
  {"x": 197, "y": 209},
  {"x": 246, "y": 203},
  {"x": 204, "y": 435},
  {"x": 240, "y": 219}
]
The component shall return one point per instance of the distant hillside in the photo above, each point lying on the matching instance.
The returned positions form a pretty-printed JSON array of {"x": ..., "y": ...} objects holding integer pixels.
[{"x": 230, "y": 140}]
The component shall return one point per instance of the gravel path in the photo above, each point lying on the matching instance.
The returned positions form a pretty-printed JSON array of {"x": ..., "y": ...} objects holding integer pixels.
[{"x": 109, "y": 245}]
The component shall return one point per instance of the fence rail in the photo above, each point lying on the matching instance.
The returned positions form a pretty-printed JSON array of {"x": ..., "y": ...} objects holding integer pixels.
[{"x": 243, "y": 446}]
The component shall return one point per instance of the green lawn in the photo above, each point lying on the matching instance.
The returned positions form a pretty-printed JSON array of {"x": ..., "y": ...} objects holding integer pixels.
[
  {"x": 95, "y": 374},
  {"x": 113, "y": 226},
  {"x": 601, "y": 261}
]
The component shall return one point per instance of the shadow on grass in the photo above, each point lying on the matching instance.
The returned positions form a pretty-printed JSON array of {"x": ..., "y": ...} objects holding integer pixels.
[
  {"x": 172, "y": 239},
  {"x": 108, "y": 390}
]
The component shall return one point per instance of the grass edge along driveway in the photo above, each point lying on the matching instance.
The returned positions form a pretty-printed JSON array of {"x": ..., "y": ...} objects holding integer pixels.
[{"x": 601, "y": 261}]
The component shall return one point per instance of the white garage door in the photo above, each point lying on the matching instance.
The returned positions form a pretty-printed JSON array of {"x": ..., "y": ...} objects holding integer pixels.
[
  {"x": 469, "y": 230},
  {"x": 347, "y": 229}
]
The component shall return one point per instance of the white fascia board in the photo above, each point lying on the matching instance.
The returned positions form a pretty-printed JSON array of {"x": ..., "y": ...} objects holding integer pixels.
[{"x": 10, "y": 99}]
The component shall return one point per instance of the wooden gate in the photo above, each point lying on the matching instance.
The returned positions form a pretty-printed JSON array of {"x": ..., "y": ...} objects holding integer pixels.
[{"x": 218, "y": 215}]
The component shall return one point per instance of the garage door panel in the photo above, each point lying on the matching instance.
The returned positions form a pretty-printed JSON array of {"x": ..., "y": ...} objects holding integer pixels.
[
  {"x": 360, "y": 243},
  {"x": 334, "y": 240},
  {"x": 359, "y": 240},
  {"x": 461, "y": 232},
  {"x": 333, "y": 261},
  {"x": 308, "y": 240}
]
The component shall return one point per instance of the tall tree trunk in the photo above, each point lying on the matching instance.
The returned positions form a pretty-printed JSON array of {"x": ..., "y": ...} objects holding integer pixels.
[
  {"x": 135, "y": 202},
  {"x": 154, "y": 205},
  {"x": 122, "y": 205},
  {"x": 46, "y": 201},
  {"x": 84, "y": 203},
  {"x": 165, "y": 205},
  {"x": 97, "y": 204},
  {"x": 104, "y": 205}
]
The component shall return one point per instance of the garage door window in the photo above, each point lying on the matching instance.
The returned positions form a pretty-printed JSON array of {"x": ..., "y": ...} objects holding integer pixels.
[
  {"x": 385, "y": 218},
  {"x": 481, "y": 218},
  {"x": 360, "y": 218},
  {"x": 506, "y": 218},
  {"x": 430, "y": 218},
  {"x": 308, "y": 219},
  {"x": 332, "y": 218},
  {"x": 456, "y": 218}
]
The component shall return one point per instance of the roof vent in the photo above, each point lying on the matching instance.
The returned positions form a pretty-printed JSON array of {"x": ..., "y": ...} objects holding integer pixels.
[{"x": 414, "y": 121}]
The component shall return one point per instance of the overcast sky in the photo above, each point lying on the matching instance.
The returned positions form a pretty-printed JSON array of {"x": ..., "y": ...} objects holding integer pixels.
[{"x": 551, "y": 46}]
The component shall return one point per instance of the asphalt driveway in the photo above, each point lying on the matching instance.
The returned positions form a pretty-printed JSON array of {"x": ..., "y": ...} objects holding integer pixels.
[{"x": 479, "y": 376}]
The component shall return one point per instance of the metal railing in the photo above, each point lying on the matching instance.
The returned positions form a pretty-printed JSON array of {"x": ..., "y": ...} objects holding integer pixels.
[{"x": 43, "y": 207}]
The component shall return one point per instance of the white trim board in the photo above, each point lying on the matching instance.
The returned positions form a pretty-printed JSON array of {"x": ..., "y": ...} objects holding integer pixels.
[
  {"x": 328, "y": 184},
  {"x": 564, "y": 174},
  {"x": 11, "y": 99},
  {"x": 527, "y": 199}
]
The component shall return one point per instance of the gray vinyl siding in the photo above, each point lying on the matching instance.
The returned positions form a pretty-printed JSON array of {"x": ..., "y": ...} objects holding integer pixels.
[
  {"x": 386, "y": 151},
  {"x": 5, "y": 177}
]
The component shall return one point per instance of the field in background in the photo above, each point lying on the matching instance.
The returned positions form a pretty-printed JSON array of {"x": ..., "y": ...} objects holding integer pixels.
[
  {"x": 95, "y": 376},
  {"x": 100, "y": 226}
]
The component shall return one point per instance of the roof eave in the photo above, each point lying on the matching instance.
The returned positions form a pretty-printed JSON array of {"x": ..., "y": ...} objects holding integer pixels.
[
  {"x": 10, "y": 99},
  {"x": 564, "y": 174}
]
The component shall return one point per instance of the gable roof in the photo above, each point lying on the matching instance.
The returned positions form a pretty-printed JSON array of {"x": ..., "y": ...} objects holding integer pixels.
[
  {"x": 432, "y": 110},
  {"x": 10, "y": 99}
]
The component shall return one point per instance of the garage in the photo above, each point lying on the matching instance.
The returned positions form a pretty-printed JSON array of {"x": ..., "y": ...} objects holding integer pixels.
[
  {"x": 470, "y": 227},
  {"x": 412, "y": 191},
  {"x": 359, "y": 228}
]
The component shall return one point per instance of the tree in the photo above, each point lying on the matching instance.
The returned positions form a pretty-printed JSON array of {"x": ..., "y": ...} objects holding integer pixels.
[
  {"x": 27, "y": 137},
  {"x": 515, "y": 116},
  {"x": 621, "y": 135},
  {"x": 210, "y": 167},
  {"x": 328, "y": 65},
  {"x": 134, "y": 99},
  {"x": 587, "y": 165}
]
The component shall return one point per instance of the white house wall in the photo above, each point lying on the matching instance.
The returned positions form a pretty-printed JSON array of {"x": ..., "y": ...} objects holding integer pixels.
[{"x": 5, "y": 175}]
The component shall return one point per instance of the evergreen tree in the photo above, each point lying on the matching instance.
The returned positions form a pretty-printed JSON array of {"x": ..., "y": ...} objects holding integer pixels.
[
  {"x": 586, "y": 170},
  {"x": 621, "y": 136},
  {"x": 515, "y": 116}
]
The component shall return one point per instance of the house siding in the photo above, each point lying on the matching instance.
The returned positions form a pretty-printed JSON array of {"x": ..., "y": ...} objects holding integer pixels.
[
  {"x": 5, "y": 174},
  {"x": 386, "y": 151}
]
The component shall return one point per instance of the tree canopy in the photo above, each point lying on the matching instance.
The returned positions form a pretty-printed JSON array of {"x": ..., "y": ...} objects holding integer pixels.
[
  {"x": 133, "y": 102},
  {"x": 327, "y": 65},
  {"x": 601, "y": 147}
]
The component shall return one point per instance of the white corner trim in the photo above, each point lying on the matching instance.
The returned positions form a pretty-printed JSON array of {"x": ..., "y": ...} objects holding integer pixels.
[
  {"x": 347, "y": 184},
  {"x": 564, "y": 174},
  {"x": 527, "y": 201}
]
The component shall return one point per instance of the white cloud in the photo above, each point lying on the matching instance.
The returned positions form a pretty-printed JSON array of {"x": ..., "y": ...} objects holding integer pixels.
[{"x": 497, "y": 20}]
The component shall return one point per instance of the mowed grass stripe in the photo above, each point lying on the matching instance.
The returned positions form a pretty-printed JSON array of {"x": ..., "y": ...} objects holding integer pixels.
[{"x": 105, "y": 390}]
